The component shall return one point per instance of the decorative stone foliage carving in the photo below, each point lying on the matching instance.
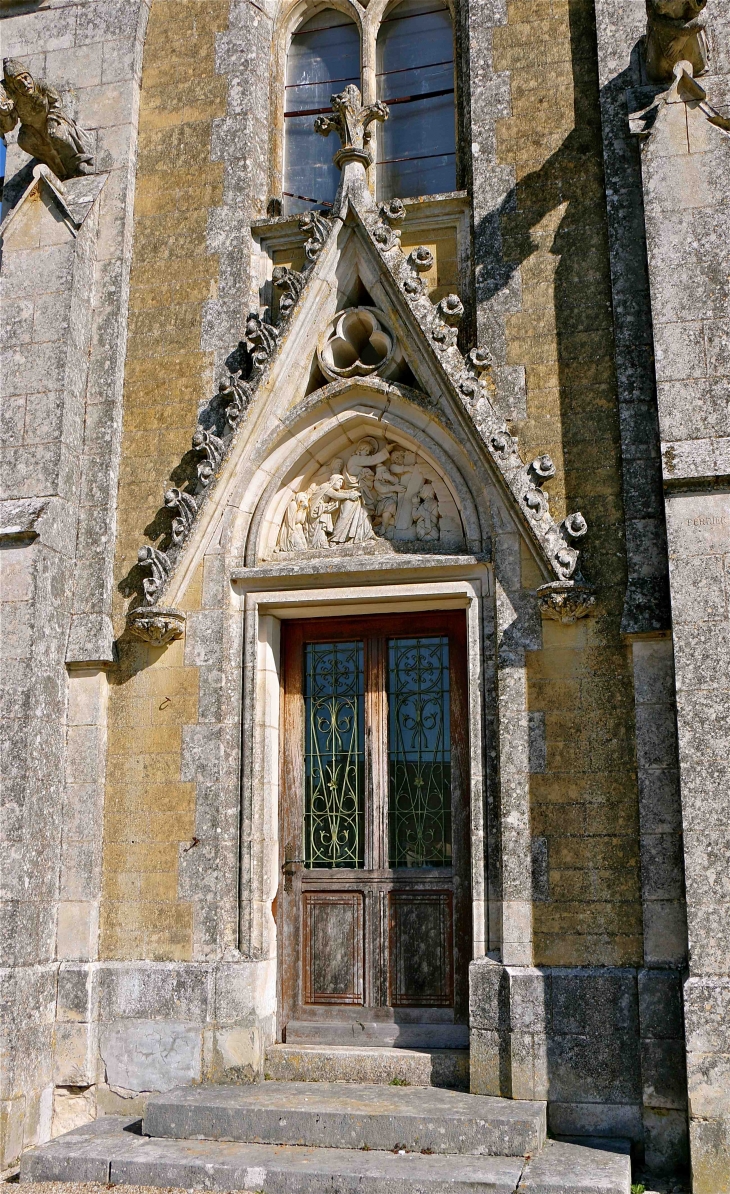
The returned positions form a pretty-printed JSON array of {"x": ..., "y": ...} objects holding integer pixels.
[
  {"x": 186, "y": 508},
  {"x": 262, "y": 338},
  {"x": 536, "y": 501},
  {"x": 351, "y": 121},
  {"x": 318, "y": 228},
  {"x": 386, "y": 237},
  {"x": 393, "y": 211},
  {"x": 235, "y": 396},
  {"x": 291, "y": 282},
  {"x": 543, "y": 467},
  {"x": 210, "y": 448},
  {"x": 451, "y": 309},
  {"x": 382, "y": 491},
  {"x": 443, "y": 336},
  {"x": 566, "y": 601},
  {"x": 675, "y": 32},
  {"x": 159, "y": 566},
  {"x": 480, "y": 360},
  {"x": 421, "y": 258},
  {"x": 356, "y": 344},
  {"x": 47, "y": 132},
  {"x": 158, "y": 624}
]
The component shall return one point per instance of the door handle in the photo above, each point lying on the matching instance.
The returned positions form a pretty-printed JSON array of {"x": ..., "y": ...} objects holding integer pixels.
[{"x": 288, "y": 865}]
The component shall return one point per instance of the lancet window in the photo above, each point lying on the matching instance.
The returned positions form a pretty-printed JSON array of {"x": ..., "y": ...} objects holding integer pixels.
[
  {"x": 413, "y": 52},
  {"x": 324, "y": 56},
  {"x": 417, "y": 144}
]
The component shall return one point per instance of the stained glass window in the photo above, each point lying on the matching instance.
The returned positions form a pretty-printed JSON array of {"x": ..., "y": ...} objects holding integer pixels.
[
  {"x": 417, "y": 144},
  {"x": 324, "y": 56},
  {"x": 334, "y": 758},
  {"x": 419, "y": 754}
]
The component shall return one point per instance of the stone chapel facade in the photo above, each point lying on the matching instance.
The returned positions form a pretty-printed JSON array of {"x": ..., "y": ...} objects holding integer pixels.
[{"x": 366, "y": 552}]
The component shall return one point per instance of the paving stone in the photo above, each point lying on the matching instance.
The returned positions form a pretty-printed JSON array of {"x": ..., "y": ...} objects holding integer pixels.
[
  {"x": 562, "y": 1167},
  {"x": 110, "y": 1150}
]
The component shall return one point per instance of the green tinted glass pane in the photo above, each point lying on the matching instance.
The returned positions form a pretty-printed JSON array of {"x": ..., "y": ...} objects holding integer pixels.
[
  {"x": 419, "y": 752},
  {"x": 334, "y": 759}
]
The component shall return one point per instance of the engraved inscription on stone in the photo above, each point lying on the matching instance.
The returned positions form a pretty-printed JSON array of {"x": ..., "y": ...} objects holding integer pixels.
[{"x": 698, "y": 524}]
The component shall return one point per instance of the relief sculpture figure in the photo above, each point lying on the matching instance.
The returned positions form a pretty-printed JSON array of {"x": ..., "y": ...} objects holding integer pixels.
[
  {"x": 47, "y": 132},
  {"x": 426, "y": 513},
  {"x": 293, "y": 536},
  {"x": 675, "y": 31},
  {"x": 378, "y": 493},
  {"x": 388, "y": 489}
]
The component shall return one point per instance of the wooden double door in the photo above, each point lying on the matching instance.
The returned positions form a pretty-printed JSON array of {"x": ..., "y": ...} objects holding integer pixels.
[{"x": 373, "y": 910}]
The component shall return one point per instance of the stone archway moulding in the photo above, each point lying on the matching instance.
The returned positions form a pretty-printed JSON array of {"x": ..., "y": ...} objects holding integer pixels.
[{"x": 252, "y": 417}]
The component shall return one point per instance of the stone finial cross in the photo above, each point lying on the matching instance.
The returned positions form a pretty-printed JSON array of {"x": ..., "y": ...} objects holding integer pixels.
[{"x": 351, "y": 120}]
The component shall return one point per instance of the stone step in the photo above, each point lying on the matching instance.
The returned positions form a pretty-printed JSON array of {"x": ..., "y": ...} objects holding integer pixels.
[
  {"x": 349, "y": 1115},
  {"x": 105, "y": 1152},
  {"x": 353, "y": 1063},
  {"x": 383, "y": 1033}
]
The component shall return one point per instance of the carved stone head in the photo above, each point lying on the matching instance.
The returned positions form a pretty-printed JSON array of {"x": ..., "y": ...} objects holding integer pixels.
[{"x": 17, "y": 79}]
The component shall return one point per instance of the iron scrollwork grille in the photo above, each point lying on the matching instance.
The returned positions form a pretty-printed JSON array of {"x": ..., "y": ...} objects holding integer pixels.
[
  {"x": 334, "y": 755},
  {"x": 419, "y": 754}
]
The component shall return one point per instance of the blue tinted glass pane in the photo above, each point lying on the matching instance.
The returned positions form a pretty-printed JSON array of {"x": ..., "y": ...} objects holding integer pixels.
[
  {"x": 324, "y": 56},
  {"x": 417, "y": 145}
]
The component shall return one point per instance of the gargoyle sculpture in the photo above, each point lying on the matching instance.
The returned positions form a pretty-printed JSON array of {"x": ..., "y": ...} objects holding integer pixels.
[
  {"x": 675, "y": 32},
  {"x": 46, "y": 131}
]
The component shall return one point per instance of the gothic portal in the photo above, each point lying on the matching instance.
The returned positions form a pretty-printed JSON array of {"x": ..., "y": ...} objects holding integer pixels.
[{"x": 365, "y": 556}]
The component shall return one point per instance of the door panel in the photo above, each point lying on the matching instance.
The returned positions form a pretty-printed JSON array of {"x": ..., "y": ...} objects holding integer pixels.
[
  {"x": 333, "y": 947},
  {"x": 374, "y": 910},
  {"x": 421, "y": 950}
]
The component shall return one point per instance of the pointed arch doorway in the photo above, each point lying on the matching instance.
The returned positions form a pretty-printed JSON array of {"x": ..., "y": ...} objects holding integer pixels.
[{"x": 374, "y": 909}]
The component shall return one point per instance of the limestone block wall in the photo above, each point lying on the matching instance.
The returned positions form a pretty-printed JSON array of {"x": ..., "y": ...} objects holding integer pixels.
[
  {"x": 64, "y": 328},
  {"x": 545, "y": 307},
  {"x": 685, "y": 165}
]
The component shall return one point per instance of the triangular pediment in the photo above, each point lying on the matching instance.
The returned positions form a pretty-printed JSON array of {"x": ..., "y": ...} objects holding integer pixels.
[{"x": 359, "y": 313}]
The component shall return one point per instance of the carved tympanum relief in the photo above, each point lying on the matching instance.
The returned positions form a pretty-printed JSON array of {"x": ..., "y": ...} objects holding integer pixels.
[
  {"x": 47, "y": 132},
  {"x": 380, "y": 491}
]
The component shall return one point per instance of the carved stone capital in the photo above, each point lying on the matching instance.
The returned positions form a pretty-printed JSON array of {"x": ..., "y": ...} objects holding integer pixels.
[
  {"x": 565, "y": 601},
  {"x": 156, "y": 624}
]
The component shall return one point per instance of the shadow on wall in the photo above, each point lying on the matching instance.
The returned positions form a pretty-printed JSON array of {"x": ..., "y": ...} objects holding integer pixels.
[{"x": 601, "y": 1025}]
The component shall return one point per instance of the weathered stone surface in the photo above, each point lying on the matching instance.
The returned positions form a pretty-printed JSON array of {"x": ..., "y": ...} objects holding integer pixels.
[
  {"x": 319, "y": 1063},
  {"x": 151, "y": 1055},
  {"x": 128, "y": 1158},
  {"x": 332, "y": 1115},
  {"x": 562, "y": 1167}
]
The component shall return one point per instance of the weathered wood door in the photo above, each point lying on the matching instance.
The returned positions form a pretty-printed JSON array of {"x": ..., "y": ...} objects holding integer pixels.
[{"x": 373, "y": 909}]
